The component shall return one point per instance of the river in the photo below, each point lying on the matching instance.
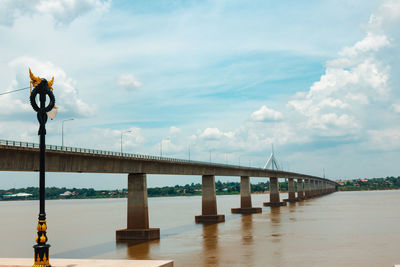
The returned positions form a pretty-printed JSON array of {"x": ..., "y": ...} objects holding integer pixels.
[{"x": 340, "y": 229}]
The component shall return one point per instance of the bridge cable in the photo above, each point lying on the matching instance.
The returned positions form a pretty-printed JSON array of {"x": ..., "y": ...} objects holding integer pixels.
[{"x": 8, "y": 92}]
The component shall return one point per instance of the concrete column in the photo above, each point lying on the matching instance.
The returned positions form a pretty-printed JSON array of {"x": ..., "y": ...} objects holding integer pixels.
[
  {"x": 209, "y": 202},
  {"x": 138, "y": 217},
  {"x": 245, "y": 198},
  {"x": 316, "y": 187},
  {"x": 300, "y": 190},
  {"x": 307, "y": 189},
  {"x": 312, "y": 187},
  {"x": 274, "y": 199},
  {"x": 321, "y": 187},
  {"x": 291, "y": 191}
]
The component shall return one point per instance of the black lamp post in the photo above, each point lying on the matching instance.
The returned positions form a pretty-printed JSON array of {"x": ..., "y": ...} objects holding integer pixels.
[{"x": 42, "y": 88}]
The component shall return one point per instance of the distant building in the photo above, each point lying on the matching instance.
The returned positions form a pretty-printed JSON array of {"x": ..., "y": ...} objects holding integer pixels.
[
  {"x": 18, "y": 195},
  {"x": 66, "y": 194}
]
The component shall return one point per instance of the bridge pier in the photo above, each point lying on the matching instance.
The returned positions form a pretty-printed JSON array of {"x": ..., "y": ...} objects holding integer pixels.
[
  {"x": 138, "y": 217},
  {"x": 307, "y": 189},
  {"x": 312, "y": 186},
  {"x": 209, "y": 202},
  {"x": 291, "y": 191},
  {"x": 245, "y": 198},
  {"x": 300, "y": 190},
  {"x": 316, "y": 191},
  {"x": 274, "y": 198},
  {"x": 322, "y": 187}
]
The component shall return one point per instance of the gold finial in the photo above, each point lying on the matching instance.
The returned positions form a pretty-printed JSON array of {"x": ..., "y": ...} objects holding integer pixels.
[
  {"x": 34, "y": 80},
  {"x": 50, "y": 83}
]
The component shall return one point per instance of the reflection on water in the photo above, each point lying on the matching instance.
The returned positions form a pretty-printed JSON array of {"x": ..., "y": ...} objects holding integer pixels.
[
  {"x": 210, "y": 244},
  {"x": 247, "y": 229},
  {"x": 137, "y": 249},
  {"x": 247, "y": 237},
  {"x": 341, "y": 229}
]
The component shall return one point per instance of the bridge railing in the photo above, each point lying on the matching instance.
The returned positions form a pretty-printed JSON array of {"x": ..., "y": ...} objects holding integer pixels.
[{"x": 105, "y": 152}]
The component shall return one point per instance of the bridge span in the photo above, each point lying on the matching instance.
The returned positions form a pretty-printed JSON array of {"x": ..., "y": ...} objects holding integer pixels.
[{"x": 23, "y": 156}]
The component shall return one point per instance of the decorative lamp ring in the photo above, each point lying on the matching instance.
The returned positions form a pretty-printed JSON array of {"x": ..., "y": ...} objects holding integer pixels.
[{"x": 35, "y": 106}]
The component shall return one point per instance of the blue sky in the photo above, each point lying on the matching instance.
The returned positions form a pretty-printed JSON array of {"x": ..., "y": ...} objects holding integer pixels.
[{"x": 314, "y": 78}]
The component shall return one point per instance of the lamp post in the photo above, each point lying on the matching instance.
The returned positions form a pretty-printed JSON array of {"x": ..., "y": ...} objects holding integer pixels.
[
  {"x": 122, "y": 132},
  {"x": 42, "y": 88},
  {"x": 162, "y": 140},
  {"x": 62, "y": 130}
]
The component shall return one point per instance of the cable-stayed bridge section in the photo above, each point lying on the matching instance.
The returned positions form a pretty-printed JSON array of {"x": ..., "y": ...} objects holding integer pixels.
[{"x": 23, "y": 156}]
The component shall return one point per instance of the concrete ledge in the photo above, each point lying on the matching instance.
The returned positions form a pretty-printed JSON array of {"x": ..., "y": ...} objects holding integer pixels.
[
  {"x": 14, "y": 262},
  {"x": 246, "y": 210},
  {"x": 138, "y": 234},
  {"x": 209, "y": 218},
  {"x": 274, "y": 204}
]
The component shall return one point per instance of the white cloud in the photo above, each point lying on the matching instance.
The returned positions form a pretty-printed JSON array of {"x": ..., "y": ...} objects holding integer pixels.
[
  {"x": 371, "y": 43},
  {"x": 265, "y": 114},
  {"x": 214, "y": 134},
  {"x": 396, "y": 108},
  {"x": 334, "y": 105},
  {"x": 20, "y": 131},
  {"x": 344, "y": 104},
  {"x": 174, "y": 130},
  {"x": 129, "y": 82},
  {"x": 62, "y": 11},
  {"x": 132, "y": 138},
  {"x": 385, "y": 139},
  {"x": 67, "y": 99}
]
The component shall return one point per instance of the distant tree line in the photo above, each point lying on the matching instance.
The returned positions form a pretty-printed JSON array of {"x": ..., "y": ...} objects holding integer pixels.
[
  {"x": 387, "y": 183},
  {"x": 222, "y": 188}
]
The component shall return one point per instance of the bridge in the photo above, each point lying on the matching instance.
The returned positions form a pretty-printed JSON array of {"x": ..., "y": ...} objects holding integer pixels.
[{"x": 24, "y": 156}]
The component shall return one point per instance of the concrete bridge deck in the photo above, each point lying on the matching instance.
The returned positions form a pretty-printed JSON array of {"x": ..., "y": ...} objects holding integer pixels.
[{"x": 23, "y": 156}]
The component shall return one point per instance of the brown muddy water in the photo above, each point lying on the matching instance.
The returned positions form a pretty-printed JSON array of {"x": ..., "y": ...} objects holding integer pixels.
[{"x": 340, "y": 229}]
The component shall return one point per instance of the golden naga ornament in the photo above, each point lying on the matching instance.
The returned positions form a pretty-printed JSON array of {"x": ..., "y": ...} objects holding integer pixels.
[{"x": 36, "y": 80}]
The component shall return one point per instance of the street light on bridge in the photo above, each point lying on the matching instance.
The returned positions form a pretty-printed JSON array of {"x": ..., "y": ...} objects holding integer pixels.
[
  {"x": 62, "y": 130},
  {"x": 43, "y": 89},
  {"x": 122, "y": 132},
  {"x": 162, "y": 140}
]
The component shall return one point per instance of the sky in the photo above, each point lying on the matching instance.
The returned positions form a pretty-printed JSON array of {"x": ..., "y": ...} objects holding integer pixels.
[{"x": 221, "y": 79}]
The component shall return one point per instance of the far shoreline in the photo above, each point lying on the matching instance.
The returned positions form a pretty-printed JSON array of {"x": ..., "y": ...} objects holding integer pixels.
[{"x": 196, "y": 195}]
